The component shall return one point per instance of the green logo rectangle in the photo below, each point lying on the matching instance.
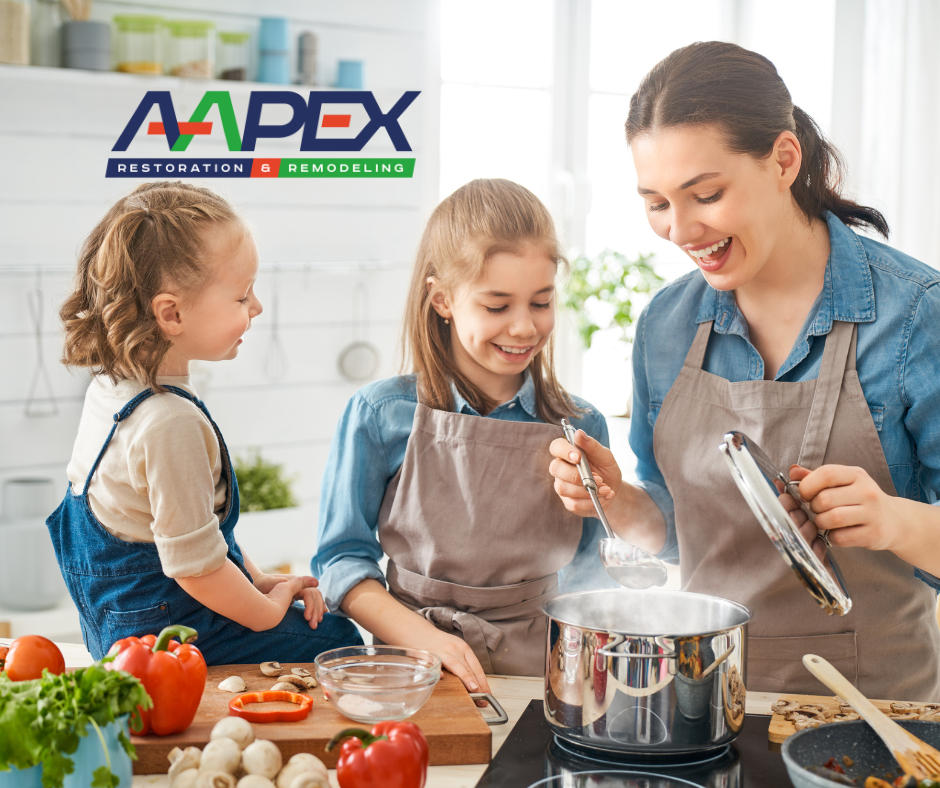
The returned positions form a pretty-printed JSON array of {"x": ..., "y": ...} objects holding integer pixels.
[{"x": 346, "y": 168}]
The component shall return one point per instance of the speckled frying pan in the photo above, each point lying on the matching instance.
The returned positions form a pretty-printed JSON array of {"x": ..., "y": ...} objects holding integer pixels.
[{"x": 815, "y": 746}]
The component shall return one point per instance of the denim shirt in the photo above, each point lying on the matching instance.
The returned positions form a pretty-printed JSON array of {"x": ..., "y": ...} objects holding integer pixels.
[
  {"x": 368, "y": 449},
  {"x": 894, "y": 299}
]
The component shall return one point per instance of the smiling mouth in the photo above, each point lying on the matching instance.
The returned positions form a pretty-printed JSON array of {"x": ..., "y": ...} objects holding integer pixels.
[
  {"x": 709, "y": 250},
  {"x": 514, "y": 351}
]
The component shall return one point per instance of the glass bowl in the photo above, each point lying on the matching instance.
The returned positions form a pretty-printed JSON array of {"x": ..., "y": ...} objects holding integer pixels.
[{"x": 370, "y": 684}]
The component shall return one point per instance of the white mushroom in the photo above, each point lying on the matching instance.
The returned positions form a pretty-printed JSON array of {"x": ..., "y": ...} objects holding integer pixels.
[
  {"x": 310, "y": 780},
  {"x": 300, "y": 671},
  {"x": 296, "y": 681},
  {"x": 185, "y": 779},
  {"x": 301, "y": 763},
  {"x": 271, "y": 668},
  {"x": 233, "y": 684},
  {"x": 284, "y": 686},
  {"x": 183, "y": 760},
  {"x": 254, "y": 781},
  {"x": 221, "y": 755},
  {"x": 207, "y": 779},
  {"x": 263, "y": 757},
  {"x": 234, "y": 728}
]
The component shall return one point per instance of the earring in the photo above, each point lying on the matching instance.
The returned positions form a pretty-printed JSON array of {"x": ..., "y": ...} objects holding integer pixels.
[{"x": 447, "y": 321}]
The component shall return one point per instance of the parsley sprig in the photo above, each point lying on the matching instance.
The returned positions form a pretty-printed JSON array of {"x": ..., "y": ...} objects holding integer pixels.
[{"x": 43, "y": 720}]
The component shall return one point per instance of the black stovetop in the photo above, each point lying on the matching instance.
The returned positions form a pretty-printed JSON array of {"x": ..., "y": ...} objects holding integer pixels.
[{"x": 531, "y": 756}]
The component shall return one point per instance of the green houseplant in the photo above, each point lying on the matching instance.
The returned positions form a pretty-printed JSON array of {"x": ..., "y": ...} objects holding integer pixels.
[
  {"x": 609, "y": 284},
  {"x": 262, "y": 485}
]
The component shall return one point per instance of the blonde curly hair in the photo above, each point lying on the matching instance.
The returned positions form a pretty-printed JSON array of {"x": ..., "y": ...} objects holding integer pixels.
[{"x": 150, "y": 240}]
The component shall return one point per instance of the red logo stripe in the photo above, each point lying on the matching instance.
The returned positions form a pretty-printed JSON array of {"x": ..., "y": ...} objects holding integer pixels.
[
  {"x": 336, "y": 121},
  {"x": 185, "y": 128}
]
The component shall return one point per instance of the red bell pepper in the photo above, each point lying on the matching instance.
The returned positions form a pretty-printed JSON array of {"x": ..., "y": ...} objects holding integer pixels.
[
  {"x": 236, "y": 707},
  {"x": 393, "y": 755},
  {"x": 174, "y": 676}
]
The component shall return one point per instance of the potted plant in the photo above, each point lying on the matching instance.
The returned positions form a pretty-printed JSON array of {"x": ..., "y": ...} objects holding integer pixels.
[
  {"x": 68, "y": 730},
  {"x": 272, "y": 526},
  {"x": 607, "y": 291}
]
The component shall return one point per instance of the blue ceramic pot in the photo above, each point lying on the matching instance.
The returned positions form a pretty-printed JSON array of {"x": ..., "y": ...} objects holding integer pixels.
[
  {"x": 22, "y": 778},
  {"x": 89, "y": 756}
]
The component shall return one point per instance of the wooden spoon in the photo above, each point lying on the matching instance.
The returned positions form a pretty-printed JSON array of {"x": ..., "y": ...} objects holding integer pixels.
[
  {"x": 716, "y": 663},
  {"x": 914, "y": 756}
]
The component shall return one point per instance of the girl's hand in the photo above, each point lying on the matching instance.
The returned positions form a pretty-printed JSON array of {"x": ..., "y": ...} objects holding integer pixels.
[
  {"x": 458, "y": 658},
  {"x": 850, "y": 504},
  {"x": 314, "y": 606},
  {"x": 568, "y": 484}
]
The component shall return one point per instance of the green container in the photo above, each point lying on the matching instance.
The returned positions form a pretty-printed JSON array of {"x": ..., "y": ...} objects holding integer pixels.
[
  {"x": 138, "y": 44},
  {"x": 191, "y": 48}
]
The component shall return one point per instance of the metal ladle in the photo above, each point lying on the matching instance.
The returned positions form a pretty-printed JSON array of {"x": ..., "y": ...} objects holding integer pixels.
[{"x": 627, "y": 564}]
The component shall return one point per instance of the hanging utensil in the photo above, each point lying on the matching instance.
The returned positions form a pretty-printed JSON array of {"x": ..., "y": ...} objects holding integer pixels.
[
  {"x": 762, "y": 484},
  {"x": 359, "y": 360},
  {"x": 627, "y": 564},
  {"x": 275, "y": 361},
  {"x": 913, "y": 755},
  {"x": 37, "y": 405}
]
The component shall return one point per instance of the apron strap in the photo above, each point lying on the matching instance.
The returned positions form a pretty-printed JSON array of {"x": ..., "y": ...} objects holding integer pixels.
[
  {"x": 835, "y": 361},
  {"x": 479, "y": 634},
  {"x": 696, "y": 355}
]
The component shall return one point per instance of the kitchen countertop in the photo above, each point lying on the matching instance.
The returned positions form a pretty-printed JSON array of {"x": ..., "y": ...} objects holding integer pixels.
[{"x": 513, "y": 692}]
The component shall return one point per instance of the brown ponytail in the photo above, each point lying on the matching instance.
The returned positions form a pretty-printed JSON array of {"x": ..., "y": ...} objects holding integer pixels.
[
  {"x": 722, "y": 84},
  {"x": 148, "y": 241}
]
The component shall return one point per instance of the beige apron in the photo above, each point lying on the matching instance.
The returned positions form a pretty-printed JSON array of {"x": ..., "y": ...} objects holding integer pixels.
[
  {"x": 889, "y": 644},
  {"x": 475, "y": 534}
]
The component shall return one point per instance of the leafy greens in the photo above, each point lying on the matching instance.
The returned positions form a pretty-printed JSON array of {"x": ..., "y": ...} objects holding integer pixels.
[{"x": 41, "y": 721}]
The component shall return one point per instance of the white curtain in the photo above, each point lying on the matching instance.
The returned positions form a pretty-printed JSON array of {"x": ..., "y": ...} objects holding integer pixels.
[{"x": 898, "y": 157}]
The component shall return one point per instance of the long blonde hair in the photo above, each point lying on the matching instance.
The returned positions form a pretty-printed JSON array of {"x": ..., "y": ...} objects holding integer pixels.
[
  {"x": 148, "y": 241},
  {"x": 480, "y": 219}
]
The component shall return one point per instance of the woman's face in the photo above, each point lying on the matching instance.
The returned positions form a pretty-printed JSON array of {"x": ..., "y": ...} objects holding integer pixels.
[{"x": 727, "y": 211}]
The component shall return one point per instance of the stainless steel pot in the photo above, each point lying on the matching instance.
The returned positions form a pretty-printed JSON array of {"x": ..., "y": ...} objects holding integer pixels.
[{"x": 633, "y": 671}]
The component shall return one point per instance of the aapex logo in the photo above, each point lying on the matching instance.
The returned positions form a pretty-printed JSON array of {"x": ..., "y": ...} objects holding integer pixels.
[{"x": 306, "y": 115}]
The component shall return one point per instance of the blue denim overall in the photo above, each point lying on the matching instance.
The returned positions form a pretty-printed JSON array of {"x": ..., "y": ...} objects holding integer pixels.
[{"x": 120, "y": 589}]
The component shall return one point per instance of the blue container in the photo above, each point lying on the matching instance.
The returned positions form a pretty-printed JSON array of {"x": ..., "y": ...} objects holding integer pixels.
[
  {"x": 88, "y": 757},
  {"x": 274, "y": 68},
  {"x": 22, "y": 778},
  {"x": 273, "y": 35},
  {"x": 350, "y": 75},
  {"x": 274, "y": 46}
]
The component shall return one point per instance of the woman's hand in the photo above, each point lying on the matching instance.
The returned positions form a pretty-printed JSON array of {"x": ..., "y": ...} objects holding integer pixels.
[
  {"x": 850, "y": 505},
  {"x": 568, "y": 484},
  {"x": 807, "y": 528},
  {"x": 285, "y": 589},
  {"x": 458, "y": 658}
]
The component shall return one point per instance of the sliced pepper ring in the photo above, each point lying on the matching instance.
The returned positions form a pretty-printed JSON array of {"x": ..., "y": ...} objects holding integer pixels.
[{"x": 236, "y": 706}]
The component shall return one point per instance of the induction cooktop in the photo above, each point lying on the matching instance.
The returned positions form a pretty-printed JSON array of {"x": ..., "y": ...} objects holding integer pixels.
[{"x": 532, "y": 756}]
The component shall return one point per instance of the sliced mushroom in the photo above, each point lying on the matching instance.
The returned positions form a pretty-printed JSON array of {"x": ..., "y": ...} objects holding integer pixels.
[
  {"x": 234, "y": 728},
  {"x": 911, "y": 716},
  {"x": 806, "y": 722},
  {"x": 262, "y": 757},
  {"x": 271, "y": 668},
  {"x": 782, "y": 706},
  {"x": 901, "y": 707},
  {"x": 221, "y": 755},
  {"x": 300, "y": 671},
  {"x": 233, "y": 684},
  {"x": 293, "y": 680},
  {"x": 285, "y": 686},
  {"x": 846, "y": 717}
]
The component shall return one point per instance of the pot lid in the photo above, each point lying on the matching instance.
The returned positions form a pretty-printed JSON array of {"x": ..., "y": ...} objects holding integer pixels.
[{"x": 762, "y": 484}]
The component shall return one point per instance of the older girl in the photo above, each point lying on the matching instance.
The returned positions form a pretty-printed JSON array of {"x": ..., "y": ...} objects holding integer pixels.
[
  {"x": 145, "y": 534},
  {"x": 443, "y": 469},
  {"x": 817, "y": 342}
]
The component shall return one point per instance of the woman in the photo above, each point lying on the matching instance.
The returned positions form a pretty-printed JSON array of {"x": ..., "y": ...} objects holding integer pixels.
[{"x": 818, "y": 343}]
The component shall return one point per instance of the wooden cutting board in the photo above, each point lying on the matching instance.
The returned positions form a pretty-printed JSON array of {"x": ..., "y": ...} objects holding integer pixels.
[
  {"x": 450, "y": 720},
  {"x": 781, "y": 729}
]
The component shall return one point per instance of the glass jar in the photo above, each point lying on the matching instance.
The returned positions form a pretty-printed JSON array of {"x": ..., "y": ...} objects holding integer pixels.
[
  {"x": 233, "y": 56},
  {"x": 46, "y": 44},
  {"x": 138, "y": 45},
  {"x": 191, "y": 48},
  {"x": 14, "y": 32}
]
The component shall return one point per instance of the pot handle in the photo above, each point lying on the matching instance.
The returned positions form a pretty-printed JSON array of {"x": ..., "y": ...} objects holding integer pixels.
[
  {"x": 618, "y": 639},
  {"x": 502, "y": 717}
]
